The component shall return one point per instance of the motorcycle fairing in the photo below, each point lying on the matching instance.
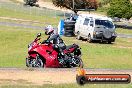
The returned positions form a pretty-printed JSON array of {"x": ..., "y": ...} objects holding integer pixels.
[{"x": 49, "y": 55}]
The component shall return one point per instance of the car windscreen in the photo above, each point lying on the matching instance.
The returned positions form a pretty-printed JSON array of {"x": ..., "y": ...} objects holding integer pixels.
[{"x": 105, "y": 23}]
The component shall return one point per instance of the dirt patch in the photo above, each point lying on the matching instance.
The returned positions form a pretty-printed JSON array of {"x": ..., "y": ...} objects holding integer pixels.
[
  {"x": 5, "y": 1},
  {"x": 36, "y": 77},
  {"x": 48, "y": 76}
]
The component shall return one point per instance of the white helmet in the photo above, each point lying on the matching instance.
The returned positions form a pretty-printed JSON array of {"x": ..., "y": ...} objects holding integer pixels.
[{"x": 49, "y": 29}]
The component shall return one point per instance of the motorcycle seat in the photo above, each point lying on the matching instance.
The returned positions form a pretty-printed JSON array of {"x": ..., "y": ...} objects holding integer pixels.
[{"x": 68, "y": 47}]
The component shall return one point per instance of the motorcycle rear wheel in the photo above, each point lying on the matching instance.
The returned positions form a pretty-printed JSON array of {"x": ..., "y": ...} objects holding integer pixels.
[{"x": 79, "y": 62}]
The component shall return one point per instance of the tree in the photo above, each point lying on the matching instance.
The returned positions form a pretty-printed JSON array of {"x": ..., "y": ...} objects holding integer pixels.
[
  {"x": 120, "y": 8},
  {"x": 78, "y": 4},
  {"x": 104, "y": 2}
]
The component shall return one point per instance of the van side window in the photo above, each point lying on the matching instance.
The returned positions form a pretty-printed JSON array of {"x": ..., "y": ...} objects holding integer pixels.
[
  {"x": 105, "y": 23},
  {"x": 86, "y": 21}
]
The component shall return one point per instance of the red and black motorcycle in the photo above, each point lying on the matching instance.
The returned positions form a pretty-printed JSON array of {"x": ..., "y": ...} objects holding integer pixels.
[{"x": 46, "y": 55}]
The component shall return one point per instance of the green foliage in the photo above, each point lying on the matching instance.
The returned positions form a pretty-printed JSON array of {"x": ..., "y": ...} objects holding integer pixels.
[
  {"x": 120, "y": 8},
  {"x": 103, "y": 2}
]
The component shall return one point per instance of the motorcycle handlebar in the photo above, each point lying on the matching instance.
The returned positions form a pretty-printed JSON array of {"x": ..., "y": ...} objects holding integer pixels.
[
  {"x": 37, "y": 39},
  {"x": 46, "y": 42}
]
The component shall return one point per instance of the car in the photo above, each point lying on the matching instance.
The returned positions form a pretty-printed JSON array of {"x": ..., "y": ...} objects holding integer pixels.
[
  {"x": 31, "y": 2},
  {"x": 94, "y": 27}
]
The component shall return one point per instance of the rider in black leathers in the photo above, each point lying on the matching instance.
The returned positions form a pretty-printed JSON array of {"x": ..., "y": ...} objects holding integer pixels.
[
  {"x": 58, "y": 43},
  {"x": 55, "y": 38}
]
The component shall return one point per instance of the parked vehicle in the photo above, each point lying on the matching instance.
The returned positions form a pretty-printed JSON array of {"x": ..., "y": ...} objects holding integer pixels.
[
  {"x": 69, "y": 25},
  {"x": 69, "y": 28},
  {"x": 46, "y": 54},
  {"x": 93, "y": 27},
  {"x": 31, "y": 2}
]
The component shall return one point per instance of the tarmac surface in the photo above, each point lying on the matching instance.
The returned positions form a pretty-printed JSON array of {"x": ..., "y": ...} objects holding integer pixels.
[{"x": 41, "y": 28}]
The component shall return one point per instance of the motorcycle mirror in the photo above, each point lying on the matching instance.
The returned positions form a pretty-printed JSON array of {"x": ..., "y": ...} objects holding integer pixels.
[{"x": 39, "y": 34}]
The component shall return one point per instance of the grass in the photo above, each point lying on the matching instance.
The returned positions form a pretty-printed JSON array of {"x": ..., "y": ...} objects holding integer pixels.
[
  {"x": 123, "y": 31},
  {"x": 13, "y": 45},
  {"x": 71, "y": 86},
  {"x": 116, "y": 56},
  {"x": 45, "y": 16},
  {"x": 14, "y": 41},
  {"x": 44, "y": 19}
]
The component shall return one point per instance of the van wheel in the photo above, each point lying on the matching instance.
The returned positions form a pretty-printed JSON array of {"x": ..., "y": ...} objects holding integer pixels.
[
  {"x": 89, "y": 39},
  {"x": 78, "y": 36}
]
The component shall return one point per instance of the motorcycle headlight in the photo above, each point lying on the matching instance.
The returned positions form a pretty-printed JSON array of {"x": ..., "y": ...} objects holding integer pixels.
[{"x": 29, "y": 46}]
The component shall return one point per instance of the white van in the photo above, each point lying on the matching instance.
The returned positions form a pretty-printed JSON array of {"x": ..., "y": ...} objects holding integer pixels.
[{"x": 93, "y": 27}]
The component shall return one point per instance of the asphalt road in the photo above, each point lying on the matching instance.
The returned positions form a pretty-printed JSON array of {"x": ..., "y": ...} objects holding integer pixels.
[
  {"x": 20, "y": 25},
  {"x": 75, "y": 69},
  {"x": 38, "y": 27},
  {"x": 124, "y": 35},
  {"x": 65, "y": 69}
]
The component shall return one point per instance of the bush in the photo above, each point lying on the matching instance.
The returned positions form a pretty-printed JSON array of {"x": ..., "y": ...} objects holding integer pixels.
[
  {"x": 120, "y": 9},
  {"x": 104, "y": 2},
  {"x": 78, "y": 4}
]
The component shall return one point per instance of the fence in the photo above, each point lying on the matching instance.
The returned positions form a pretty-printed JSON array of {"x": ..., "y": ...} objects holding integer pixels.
[{"x": 43, "y": 14}]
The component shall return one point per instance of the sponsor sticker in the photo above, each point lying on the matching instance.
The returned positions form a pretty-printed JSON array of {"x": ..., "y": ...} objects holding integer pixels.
[{"x": 83, "y": 78}]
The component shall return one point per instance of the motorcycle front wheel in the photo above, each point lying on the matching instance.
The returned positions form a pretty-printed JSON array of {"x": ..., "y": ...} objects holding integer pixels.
[{"x": 35, "y": 62}]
